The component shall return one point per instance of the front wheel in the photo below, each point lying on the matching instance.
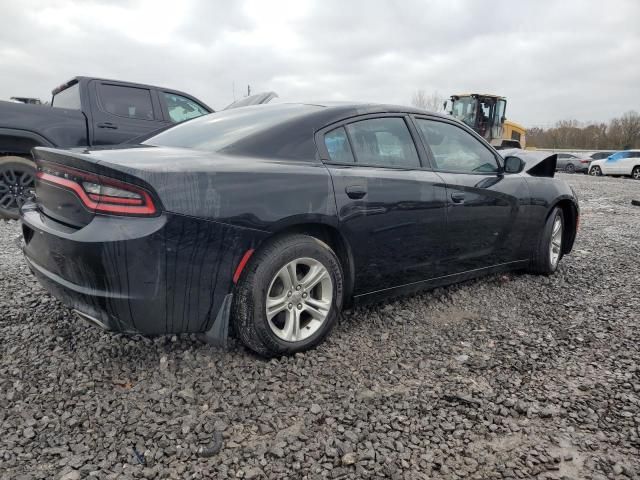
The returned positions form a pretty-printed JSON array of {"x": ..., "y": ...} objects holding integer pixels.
[
  {"x": 17, "y": 181},
  {"x": 595, "y": 171},
  {"x": 289, "y": 297},
  {"x": 635, "y": 173},
  {"x": 548, "y": 252}
]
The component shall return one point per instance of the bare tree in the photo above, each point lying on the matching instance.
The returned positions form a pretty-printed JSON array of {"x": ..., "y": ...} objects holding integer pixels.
[
  {"x": 630, "y": 129},
  {"x": 620, "y": 134},
  {"x": 431, "y": 102}
]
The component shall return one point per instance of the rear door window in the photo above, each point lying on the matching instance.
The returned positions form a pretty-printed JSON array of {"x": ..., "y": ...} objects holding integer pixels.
[
  {"x": 182, "y": 108},
  {"x": 338, "y": 147},
  {"x": 68, "y": 98},
  {"x": 384, "y": 142},
  {"x": 128, "y": 102}
]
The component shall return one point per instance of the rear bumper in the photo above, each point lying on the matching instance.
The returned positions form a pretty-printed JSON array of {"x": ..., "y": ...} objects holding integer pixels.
[{"x": 166, "y": 274}]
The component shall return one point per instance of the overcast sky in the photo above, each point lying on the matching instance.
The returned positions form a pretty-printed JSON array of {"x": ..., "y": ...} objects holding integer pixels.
[{"x": 553, "y": 60}]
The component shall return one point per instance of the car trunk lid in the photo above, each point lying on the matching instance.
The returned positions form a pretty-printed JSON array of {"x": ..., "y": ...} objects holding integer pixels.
[{"x": 72, "y": 187}]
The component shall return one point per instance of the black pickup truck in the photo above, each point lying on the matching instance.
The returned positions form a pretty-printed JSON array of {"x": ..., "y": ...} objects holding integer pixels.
[{"x": 83, "y": 112}]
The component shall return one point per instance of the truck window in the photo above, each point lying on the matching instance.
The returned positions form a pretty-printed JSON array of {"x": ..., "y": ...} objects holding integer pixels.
[
  {"x": 181, "y": 108},
  {"x": 129, "y": 102},
  {"x": 67, "y": 98}
]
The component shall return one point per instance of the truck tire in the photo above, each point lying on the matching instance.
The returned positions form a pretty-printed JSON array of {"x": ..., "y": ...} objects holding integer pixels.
[{"x": 17, "y": 182}]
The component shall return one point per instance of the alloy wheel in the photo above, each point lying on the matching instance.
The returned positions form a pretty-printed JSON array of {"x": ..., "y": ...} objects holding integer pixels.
[
  {"x": 636, "y": 173},
  {"x": 299, "y": 299},
  {"x": 555, "y": 247},
  {"x": 594, "y": 172},
  {"x": 16, "y": 186}
]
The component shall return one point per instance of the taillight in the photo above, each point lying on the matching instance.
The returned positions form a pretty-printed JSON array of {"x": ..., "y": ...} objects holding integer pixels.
[
  {"x": 585, "y": 161},
  {"x": 98, "y": 193}
]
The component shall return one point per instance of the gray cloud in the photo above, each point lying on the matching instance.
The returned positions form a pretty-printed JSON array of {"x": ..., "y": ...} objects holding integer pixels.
[{"x": 553, "y": 60}]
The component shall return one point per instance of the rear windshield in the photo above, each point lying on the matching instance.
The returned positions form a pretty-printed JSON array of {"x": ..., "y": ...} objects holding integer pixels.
[
  {"x": 68, "y": 98},
  {"x": 224, "y": 130}
]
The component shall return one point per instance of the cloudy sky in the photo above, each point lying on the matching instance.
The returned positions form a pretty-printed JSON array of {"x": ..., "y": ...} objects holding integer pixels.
[{"x": 553, "y": 60}]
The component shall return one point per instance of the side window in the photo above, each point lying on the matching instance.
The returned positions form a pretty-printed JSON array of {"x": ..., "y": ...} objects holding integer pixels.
[
  {"x": 456, "y": 150},
  {"x": 68, "y": 98},
  {"x": 338, "y": 146},
  {"x": 181, "y": 108},
  {"x": 129, "y": 102},
  {"x": 383, "y": 141}
]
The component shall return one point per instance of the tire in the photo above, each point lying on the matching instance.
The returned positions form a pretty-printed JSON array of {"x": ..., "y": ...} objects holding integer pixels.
[
  {"x": 17, "y": 181},
  {"x": 542, "y": 261},
  {"x": 635, "y": 173},
  {"x": 262, "y": 280},
  {"x": 570, "y": 168},
  {"x": 595, "y": 171}
]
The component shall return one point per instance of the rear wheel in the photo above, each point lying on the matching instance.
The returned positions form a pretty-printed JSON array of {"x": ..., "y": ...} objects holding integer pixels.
[
  {"x": 595, "y": 171},
  {"x": 17, "y": 181},
  {"x": 570, "y": 168},
  {"x": 289, "y": 296},
  {"x": 635, "y": 173},
  {"x": 548, "y": 252}
]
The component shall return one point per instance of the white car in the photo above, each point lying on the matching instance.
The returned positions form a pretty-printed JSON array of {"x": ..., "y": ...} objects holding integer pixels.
[{"x": 620, "y": 163}]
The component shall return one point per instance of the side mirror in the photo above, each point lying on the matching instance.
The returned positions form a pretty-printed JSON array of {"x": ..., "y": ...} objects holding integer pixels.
[{"x": 513, "y": 164}]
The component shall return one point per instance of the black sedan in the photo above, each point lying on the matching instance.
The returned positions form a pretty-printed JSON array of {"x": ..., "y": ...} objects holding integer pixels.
[{"x": 270, "y": 219}]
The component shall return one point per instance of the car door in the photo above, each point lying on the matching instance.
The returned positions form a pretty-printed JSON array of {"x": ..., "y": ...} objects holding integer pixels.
[
  {"x": 563, "y": 159},
  {"x": 485, "y": 224},
  {"x": 390, "y": 207},
  {"x": 122, "y": 112},
  {"x": 627, "y": 163},
  {"x": 614, "y": 165}
]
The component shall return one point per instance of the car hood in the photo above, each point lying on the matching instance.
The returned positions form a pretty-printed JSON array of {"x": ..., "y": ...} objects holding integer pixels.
[{"x": 598, "y": 162}]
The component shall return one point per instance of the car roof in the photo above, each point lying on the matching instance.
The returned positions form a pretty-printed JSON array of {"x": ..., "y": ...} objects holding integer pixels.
[{"x": 335, "y": 111}]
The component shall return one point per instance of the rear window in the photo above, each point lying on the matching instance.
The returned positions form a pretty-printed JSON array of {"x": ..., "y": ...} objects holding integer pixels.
[
  {"x": 233, "y": 129},
  {"x": 68, "y": 98}
]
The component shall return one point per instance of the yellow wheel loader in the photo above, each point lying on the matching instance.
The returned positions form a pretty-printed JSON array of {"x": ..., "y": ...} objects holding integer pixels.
[{"x": 485, "y": 113}]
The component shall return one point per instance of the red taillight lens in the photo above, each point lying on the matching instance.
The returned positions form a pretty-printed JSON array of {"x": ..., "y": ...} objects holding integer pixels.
[
  {"x": 98, "y": 193},
  {"x": 585, "y": 161}
]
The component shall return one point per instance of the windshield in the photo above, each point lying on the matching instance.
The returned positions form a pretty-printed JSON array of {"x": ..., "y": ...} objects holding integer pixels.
[
  {"x": 464, "y": 108},
  {"x": 225, "y": 129}
]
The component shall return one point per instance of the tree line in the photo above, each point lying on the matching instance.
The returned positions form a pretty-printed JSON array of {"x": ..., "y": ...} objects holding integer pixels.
[{"x": 621, "y": 133}]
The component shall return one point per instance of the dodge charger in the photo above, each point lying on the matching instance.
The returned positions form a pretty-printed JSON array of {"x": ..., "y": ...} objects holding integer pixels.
[{"x": 264, "y": 222}]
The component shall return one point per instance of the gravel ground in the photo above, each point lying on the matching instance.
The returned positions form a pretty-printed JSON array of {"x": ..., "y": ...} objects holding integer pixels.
[{"x": 511, "y": 376}]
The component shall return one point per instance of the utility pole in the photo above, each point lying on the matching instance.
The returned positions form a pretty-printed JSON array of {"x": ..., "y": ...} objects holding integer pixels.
[{"x": 248, "y": 90}]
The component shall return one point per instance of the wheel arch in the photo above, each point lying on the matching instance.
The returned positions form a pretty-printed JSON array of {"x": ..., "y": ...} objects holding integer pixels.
[
  {"x": 571, "y": 215},
  {"x": 20, "y": 142},
  {"x": 330, "y": 235}
]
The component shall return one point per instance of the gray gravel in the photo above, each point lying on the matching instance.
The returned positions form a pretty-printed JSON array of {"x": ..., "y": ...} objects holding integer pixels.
[{"x": 512, "y": 376}]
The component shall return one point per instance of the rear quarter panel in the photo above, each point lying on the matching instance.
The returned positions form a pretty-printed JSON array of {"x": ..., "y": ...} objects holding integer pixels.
[{"x": 263, "y": 194}]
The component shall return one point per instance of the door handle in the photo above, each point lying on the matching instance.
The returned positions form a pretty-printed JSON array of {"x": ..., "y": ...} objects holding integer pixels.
[
  {"x": 457, "y": 197},
  {"x": 356, "y": 191},
  {"x": 109, "y": 125}
]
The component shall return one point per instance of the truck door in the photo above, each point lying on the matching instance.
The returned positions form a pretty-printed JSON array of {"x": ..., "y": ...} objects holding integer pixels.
[{"x": 122, "y": 112}]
